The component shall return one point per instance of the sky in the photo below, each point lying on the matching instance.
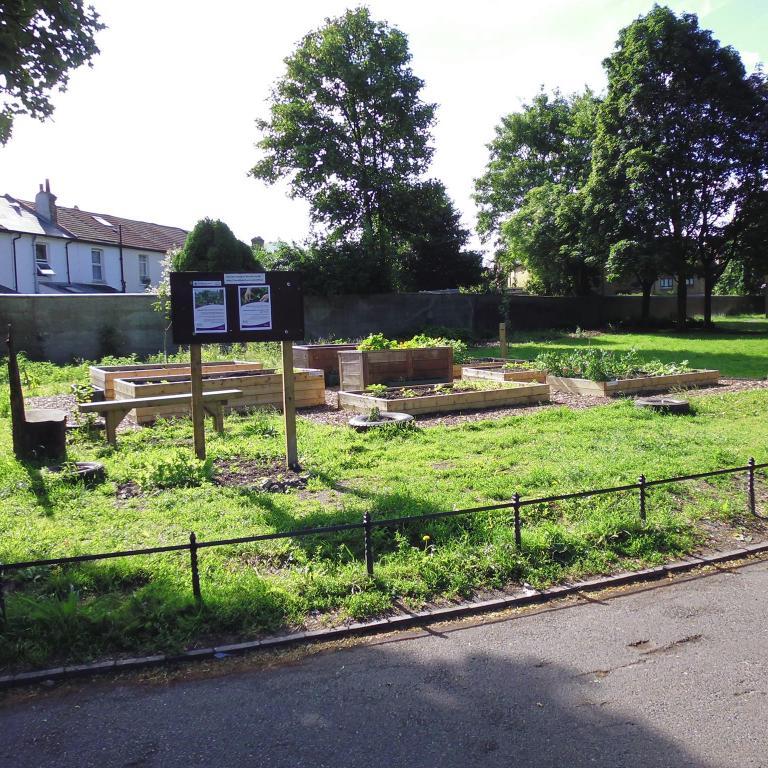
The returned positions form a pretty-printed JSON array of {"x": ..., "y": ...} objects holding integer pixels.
[{"x": 162, "y": 127}]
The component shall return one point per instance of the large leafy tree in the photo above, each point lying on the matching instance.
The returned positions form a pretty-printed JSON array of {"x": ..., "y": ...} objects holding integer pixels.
[
  {"x": 212, "y": 247},
  {"x": 530, "y": 197},
  {"x": 348, "y": 129},
  {"x": 680, "y": 151},
  {"x": 40, "y": 43}
]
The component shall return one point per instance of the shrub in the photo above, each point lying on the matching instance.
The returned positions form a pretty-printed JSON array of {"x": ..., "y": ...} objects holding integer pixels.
[
  {"x": 212, "y": 247},
  {"x": 174, "y": 469},
  {"x": 603, "y": 365}
]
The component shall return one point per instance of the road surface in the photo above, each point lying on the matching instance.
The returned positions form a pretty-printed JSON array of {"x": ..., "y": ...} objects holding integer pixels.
[{"x": 672, "y": 675}]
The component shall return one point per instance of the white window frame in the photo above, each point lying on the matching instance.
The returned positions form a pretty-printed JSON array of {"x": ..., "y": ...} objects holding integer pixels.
[
  {"x": 689, "y": 281},
  {"x": 43, "y": 265},
  {"x": 665, "y": 283},
  {"x": 97, "y": 263},
  {"x": 144, "y": 269}
]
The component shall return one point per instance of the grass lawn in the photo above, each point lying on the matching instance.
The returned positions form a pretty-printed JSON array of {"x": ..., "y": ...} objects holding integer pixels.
[
  {"x": 145, "y": 603},
  {"x": 738, "y": 348}
]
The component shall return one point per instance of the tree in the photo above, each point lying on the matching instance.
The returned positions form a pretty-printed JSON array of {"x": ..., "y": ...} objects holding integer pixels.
[
  {"x": 212, "y": 247},
  {"x": 530, "y": 196},
  {"x": 432, "y": 253},
  {"x": 348, "y": 130},
  {"x": 40, "y": 42},
  {"x": 677, "y": 151}
]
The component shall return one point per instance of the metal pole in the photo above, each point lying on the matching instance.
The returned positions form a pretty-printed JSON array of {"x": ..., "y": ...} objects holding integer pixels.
[
  {"x": 516, "y": 508},
  {"x": 368, "y": 543},
  {"x": 641, "y": 485},
  {"x": 751, "y": 486},
  {"x": 195, "y": 572}
]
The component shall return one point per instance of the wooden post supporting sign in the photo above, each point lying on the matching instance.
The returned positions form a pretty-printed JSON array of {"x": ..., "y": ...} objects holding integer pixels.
[
  {"x": 289, "y": 408},
  {"x": 503, "y": 339},
  {"x": 198, "y": 413}
]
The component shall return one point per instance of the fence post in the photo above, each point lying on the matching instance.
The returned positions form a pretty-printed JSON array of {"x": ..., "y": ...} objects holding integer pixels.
[
  {"x": 751, "y": 486},
  {"x": 641, "y": 485},
  {"x": 195, "y": 572},
  {"x": 368, "y": 543},
  {"x": 516, "y": 508}
]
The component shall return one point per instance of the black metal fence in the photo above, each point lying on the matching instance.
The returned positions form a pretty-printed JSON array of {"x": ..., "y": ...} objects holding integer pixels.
[{"x": 368, "y": 524}]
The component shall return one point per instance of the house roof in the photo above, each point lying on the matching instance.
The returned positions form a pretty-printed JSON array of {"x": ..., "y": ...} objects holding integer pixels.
[
  {"x": 46, "y": 287},
  {"x": 21, "y": 216}
]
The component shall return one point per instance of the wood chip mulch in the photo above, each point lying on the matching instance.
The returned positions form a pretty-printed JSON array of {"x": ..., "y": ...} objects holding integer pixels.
[{"x": 329, "y": 413}]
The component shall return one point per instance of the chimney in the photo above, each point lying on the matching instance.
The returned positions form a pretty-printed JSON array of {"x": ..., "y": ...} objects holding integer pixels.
[{"x": 45, "y": 203}]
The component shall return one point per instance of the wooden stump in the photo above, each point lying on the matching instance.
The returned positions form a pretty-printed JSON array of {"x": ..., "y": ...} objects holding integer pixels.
[{"x": 45, "y": 434}]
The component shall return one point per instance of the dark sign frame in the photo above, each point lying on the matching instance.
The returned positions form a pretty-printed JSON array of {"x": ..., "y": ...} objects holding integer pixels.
[{"x": 229, "y": 307}]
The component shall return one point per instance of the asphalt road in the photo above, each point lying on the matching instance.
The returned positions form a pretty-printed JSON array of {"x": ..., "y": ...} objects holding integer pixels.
[{"x": 669, "y": 676}]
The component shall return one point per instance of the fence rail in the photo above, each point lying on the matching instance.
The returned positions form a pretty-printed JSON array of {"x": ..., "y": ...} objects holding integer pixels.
[{"x": 368, "y": 524}]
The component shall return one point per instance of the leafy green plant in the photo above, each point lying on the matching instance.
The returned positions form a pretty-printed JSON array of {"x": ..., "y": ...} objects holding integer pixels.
[
  {"x": 374, "y": 414},
  {"x": 376, "y": 389},
  {"x": 172, "y": 469},
  {"x": 407, "y": 392},
  {"x": 604, "y": 365},
  {"x": 376, "y": 341}
]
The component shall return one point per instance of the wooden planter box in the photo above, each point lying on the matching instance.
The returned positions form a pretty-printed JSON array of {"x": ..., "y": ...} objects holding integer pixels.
[
  {"x": 634, "y": 386},
  {"x": 322, "y": 356},
  {"x": 358, "y": 369},
  {"x": 520, "y": 394},
  {"x": 497, "y": 372},
  {"x": 103, "y": 376},
  {"x": 259, "y": 389}
]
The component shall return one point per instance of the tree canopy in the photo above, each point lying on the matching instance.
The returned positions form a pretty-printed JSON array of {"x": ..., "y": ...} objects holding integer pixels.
[
  {"x": 530, "y": 197},
  {"x": 349, "y": 131},
  {"x": 212, "y": 247},
  {"x": 40, "y": 43},
  {"x": 680, "y": 150}
]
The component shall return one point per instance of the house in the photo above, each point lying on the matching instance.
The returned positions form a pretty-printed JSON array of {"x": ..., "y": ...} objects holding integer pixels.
[{"x": 47, "y": 248}]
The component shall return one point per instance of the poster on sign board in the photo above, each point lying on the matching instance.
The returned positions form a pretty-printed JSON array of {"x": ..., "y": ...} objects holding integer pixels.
[
  {"x": 210, "y": 309},
  {"x": 255, "y": 307}
]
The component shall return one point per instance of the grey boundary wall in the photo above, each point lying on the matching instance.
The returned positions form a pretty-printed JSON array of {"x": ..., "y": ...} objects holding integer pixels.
[{"x": 64, "y": 328}]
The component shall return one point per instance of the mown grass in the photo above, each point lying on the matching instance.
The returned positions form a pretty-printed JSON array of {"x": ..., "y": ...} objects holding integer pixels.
[
  {"x": 145, "y": 603},
  {"x": 737, "y": 348}
]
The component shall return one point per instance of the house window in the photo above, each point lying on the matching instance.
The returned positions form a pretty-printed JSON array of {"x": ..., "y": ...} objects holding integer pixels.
[
  {"x": 665, "y": 282},
  {"x": 689, "y": 282},
  {"x": 97, "y": 265},
  {"x": 41, "y": 260},
  {"x": 144, "y": 268}
]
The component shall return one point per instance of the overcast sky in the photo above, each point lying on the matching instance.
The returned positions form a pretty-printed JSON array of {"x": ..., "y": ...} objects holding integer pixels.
[{"x": 162, "y": 127}]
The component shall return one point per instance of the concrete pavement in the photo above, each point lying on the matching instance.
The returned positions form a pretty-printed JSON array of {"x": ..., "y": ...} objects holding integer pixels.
[{"x": 672, "y": 675}]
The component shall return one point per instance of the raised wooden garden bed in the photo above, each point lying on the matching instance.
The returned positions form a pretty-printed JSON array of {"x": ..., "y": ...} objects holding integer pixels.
[
  {"x": 358, "y": 369},
  {"x": 636, "y": 385},
  {"x": 429, "y": 402},
  {"x": 259, "y": 389},
  {"x": 322, "y": 356},
  {"x": 103, "y": 376},
  {"x": 498, "y": 372}
]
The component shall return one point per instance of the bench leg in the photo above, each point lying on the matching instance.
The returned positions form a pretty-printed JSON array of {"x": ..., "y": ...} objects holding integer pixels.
[
  {"x": 216, "y": 412},
  {"x": 112, "y": 420}
]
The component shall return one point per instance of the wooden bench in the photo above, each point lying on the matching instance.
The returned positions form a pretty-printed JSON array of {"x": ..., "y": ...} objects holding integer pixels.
[{"x": 114, "y": 411}]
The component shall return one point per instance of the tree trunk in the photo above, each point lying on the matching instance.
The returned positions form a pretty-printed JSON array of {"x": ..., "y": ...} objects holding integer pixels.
[
  {"x": 645, "y": 306},
  {"x": 709, "y": 285},
  {"x": 682, "y": 299}
]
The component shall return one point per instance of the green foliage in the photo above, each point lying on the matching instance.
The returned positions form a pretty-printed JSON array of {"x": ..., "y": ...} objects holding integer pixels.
[
  {"x": 350, "y": 133},
  {"x": 212, "y": 247},
  {"x": 376, "y": 341},
  {"x": 530, "y": 197},
  {"x": 171, "y": 469},
  {"x": 41, "y": 44},
  {"x": 376, "y": 389},
  {"x": 604, "y": 365},
  {"x": 680, "y": 150}
]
